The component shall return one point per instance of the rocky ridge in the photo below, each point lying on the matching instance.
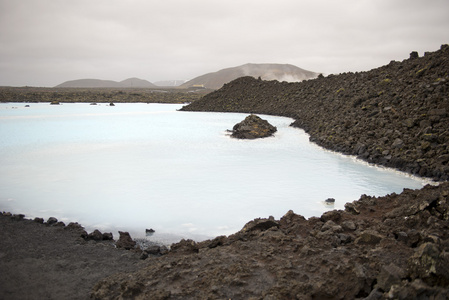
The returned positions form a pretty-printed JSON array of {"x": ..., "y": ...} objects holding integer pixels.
[{"x": 396, "y": 115}]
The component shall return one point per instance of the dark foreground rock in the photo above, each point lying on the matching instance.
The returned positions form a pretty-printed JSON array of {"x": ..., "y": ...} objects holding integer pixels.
[
  {"x": 48, "y": 261},
  {"x": 392, "y": 247},
  {"x": 253, "y": 127},
  {"x": 396, "y": 115},
  {"x": 125, "y": 241}
]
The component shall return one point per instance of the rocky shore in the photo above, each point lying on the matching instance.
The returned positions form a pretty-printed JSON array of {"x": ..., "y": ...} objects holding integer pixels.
[
  {"x": 390, "y": 247},
  {"x": 99, "y": 95},
  {"x": 393, "y": 247}
]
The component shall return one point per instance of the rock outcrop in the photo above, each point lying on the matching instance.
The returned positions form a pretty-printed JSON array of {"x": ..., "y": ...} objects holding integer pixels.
[
  {"x": 253, "y": 127},
  {"x": 395, "y": 115},
  {"x": 125, "y": 241}
]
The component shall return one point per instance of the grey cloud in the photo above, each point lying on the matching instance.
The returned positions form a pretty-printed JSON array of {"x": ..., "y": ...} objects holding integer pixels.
[{"x": 46, "y": 42}]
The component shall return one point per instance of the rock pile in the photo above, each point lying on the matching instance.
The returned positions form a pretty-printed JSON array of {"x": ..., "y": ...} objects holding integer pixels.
[
  {"x": 396, "y": 115},
  {"x": 253, "y": 127}
]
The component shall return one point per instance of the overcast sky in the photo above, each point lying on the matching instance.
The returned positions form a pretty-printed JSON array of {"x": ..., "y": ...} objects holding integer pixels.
[{"x": 47, "y": 42}]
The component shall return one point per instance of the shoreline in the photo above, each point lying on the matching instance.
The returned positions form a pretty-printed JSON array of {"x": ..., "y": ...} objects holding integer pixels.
[{"x": 372, "y": 233}]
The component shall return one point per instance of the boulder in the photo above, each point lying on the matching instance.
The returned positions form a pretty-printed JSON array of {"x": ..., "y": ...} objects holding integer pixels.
[
  {"x": 368, "y": 237},
  {"x": 18, "y": 217},
  {"x": 430, "y": 264},
  {"x": 253, "y": 127},
  {"x": 390, "y": 275},
  {"x": 185, "y": 247},
  {"x": 125, "y": 241},
  {"x": 96, "y": 235},
  {"x": 39, "y": 220},
  {"x": 107, "y": 236},
  {"x": 52, "y": 221},
  {"x": 260, "y": 224}
]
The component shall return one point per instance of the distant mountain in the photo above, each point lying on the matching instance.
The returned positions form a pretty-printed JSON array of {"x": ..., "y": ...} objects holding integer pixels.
[
  {"x": 169, "y": 82},
  {"x": 136, "y": 82},
  {"x": 280, "y": 72},
  {"x": 98, "y": 83}
]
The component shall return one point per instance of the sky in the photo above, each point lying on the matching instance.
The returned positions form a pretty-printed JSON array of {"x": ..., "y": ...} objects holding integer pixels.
[{"x": 47, "y": 42}]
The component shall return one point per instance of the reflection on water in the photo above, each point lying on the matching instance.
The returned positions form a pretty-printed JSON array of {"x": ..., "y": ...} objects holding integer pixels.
[{"x": 136, "y": 166}]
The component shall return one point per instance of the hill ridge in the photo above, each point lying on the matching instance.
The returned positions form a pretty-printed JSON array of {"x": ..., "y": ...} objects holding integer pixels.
[
  {"x": 267, "y": 71},
  {"x": 100, "y": 83}
]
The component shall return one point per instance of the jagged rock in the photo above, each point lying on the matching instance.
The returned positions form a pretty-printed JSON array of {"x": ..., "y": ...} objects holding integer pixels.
[
  {"x": 348, "y": 225},
  {"x": 73, "y": 226},
  {"x": 153, "y": 250},
  {"x": 156, "y": 250},
  {"x": 430, "y": 264},
  {"x": 260, "y": 224},
  {"x": 416, "y": 290},
  {"x": 107, "y": 236},
  {"x": 96, "y": 235},
  {"x": 185, "y": 246},
  {"x": 125, "y": 241},
  {"x": 390, "y": 275},
  {"x": 351, "y": 208},
  {"x": 253, "y": 127},
  {"x": 368, "y": 237},
  {"x": 52, "y": 221},
  {"x": 414, "y": 54},
  {"x": 60, "y": 224},
  {"x": 18, "y": 217}
]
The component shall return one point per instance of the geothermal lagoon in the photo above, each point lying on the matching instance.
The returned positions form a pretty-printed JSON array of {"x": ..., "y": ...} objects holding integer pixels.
[{"x": 132, "y": 167}]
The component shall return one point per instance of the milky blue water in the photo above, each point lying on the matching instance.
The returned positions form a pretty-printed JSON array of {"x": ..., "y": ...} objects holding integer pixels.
[{"x": 136, "y": 166}]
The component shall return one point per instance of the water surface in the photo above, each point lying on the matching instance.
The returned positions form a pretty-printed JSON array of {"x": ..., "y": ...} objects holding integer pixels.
[{"x": 137, "y": 166}]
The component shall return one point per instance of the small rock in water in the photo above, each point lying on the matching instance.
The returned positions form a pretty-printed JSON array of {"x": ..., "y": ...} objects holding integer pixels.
[
  {"x": 253, "y": 127},
  {"x": 330, "y": 200},
  {"x": 149, "y": 231}
]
